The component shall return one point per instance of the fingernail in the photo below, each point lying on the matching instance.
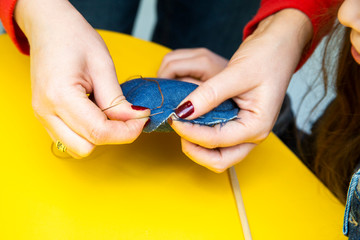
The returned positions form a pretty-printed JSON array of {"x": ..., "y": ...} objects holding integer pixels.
[
  {"x": 147, "y": 123},
  {"x": 170, "y": 121},
  {"x": 185, "y": 110},
  {"x": 139, "y": 108}
]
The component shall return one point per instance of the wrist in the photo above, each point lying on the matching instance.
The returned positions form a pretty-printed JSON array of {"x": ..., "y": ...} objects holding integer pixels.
[
  {"x": 38, "y": 19},
  {"x": 20, "y": 15},
  {"x": 287, "y": 26},
  {"x": 278, "y": 43}
]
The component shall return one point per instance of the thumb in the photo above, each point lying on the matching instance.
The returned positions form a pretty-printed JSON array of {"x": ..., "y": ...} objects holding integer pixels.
[
  {"x": 208, "y": 96},
  {"x": 110, "y": 99}
]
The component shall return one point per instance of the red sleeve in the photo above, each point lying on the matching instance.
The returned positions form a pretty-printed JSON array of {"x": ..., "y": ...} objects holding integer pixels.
[
  {"x": 318, "y": 11},
  {"x": 7, "y": 18}
]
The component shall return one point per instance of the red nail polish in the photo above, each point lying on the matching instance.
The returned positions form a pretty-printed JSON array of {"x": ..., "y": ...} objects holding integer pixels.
[
  {"x": 170, "y": 121},
  {"x": 139, "y": 108},
  {"x": 185, "y": 110},
  {"x": 147, "y": 123}
]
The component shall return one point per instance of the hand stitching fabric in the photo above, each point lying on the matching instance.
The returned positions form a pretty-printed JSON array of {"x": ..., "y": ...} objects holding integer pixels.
[{"x": 162, "y": 96}]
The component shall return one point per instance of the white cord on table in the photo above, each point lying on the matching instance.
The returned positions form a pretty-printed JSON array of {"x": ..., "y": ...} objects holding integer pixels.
[{"x": 239, "y": 203}]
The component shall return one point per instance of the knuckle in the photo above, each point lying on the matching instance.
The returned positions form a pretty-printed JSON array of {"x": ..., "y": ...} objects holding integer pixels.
[
  {"x": 131, "y": 138},
  {"x": 85, "y": 151},
  {"x": 131, "y": 132},
  {"x": 219, "y": 170},
  {"x": 186, "y": 150},
  {"x": 52, "y": 99},
  {"x": 134, "y": 130},
  {"x": 103, "y": 64},
  {"x": 219, "y": 166},
  {"x": 205, "y": 60},
  {"x": 208, "y": 94},
  {"x": 218, "y": 163},
  {"x": 262, "y": 136},
  {"x": 51, "y": 96},
  {"x": 105, "y": 61},
  {"x": 212, "y": 144},
  {"x": 40, "y": 111},
  {"x": 53, "y": 92},
  {"x": 215, "y": 139},
  {"x": 172, "y": 65},
  {"x": 108, "y": 63},
  {"x": 167, "y": 57},
  {"x": 203, "y": 50},
  {"x": 97, "y": 135},
  {"x": 36, "y": 105}
]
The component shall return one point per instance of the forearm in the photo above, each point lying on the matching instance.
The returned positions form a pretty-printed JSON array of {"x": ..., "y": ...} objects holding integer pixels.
[
  {"x": 40, "y": 19},
  {"x": 320, "y": 13},
  {"x": 284, "y": 35},
  {"x": 288, "y": 26}
]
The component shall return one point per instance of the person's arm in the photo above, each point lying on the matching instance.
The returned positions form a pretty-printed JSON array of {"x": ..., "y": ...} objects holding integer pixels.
[
  {"x": 68, "y": 61},
  {"x": 319, "y": 13},
  {"x": 281, "y": 34},
  {"x": 256, "y": 78}
]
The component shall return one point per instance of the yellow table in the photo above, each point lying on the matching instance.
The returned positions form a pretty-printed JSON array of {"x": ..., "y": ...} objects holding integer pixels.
[{"x": 148, "y": 189}]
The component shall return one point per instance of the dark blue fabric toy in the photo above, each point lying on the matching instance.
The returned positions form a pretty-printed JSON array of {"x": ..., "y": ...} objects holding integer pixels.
[{"x": 162, "y": 96}]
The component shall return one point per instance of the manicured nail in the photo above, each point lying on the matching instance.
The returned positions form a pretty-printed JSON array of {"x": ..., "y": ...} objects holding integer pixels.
[
  {"x": 185, "y": 110},
  {"x": 139, "y": 108},
  {"x": 170, "y": 121},
  {"x": 147, "y": 123}
]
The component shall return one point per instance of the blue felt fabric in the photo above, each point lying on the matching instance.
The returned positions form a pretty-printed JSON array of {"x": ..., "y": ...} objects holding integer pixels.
[{"x": 146, "y": 92}]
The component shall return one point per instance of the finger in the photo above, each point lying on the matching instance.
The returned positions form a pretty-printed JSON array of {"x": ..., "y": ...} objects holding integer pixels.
[
  {"x": 199, "y": 64},
  {"x": 180, "y": 54},
  {"x": 109, "y": 96},
  {"x": 198, "y": 67},
  {"x": 56, "y": 139},
  {"x": 87, "y": 120},
  {"x": 246, "y": 128},
  {"x": 209, "y": 95},
  {"x": 190, "y": 80},
  {"x": 76, "y": 146},
  {"x": 218, "y": 159}
]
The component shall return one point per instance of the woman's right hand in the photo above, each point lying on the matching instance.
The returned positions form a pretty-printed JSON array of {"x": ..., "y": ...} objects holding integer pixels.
[
  {"x": 256, "y": 78},
  {"x": 69, "y": 60}
]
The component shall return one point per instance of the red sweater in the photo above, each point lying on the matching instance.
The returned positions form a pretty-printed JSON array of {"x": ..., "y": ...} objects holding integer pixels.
[
  {"x": 315, "y": 9},
  {"x": 7, "y": 18}
]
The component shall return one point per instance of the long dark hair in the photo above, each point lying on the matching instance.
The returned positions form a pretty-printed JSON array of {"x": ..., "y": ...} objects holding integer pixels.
[{"x": 337, "y": 134}]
